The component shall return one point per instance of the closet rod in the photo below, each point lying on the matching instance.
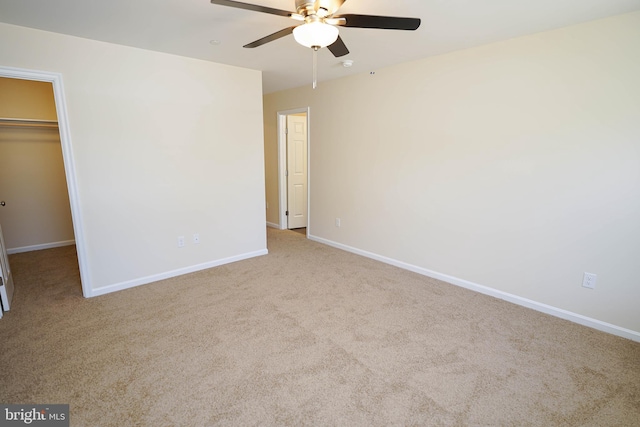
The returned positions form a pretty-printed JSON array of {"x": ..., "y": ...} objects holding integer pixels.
[{"x": 34, "y": 123}]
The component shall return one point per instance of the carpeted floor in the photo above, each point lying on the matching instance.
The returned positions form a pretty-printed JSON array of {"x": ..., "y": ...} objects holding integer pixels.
[{"x": 307, "y": 335}]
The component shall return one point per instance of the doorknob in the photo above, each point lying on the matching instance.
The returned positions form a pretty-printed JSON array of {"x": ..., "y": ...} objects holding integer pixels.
[{"x": 2, "y": 203}]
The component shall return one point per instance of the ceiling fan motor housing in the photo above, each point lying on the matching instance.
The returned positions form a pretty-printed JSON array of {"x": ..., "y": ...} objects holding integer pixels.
[{"x": 308, "y": 8}]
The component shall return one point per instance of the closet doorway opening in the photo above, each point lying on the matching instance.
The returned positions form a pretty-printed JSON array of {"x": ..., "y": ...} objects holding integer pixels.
[
  {"x": 36, "y": 213},
  {"x": 37, "y": 177},
  {"x": 293, "y": 169}
]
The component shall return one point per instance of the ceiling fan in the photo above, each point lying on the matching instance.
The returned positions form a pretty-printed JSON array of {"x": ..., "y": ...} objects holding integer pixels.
[{"x": 320, "y": 24}]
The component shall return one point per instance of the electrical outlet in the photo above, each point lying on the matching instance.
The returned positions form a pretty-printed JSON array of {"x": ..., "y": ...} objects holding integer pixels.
[
  {"x": 196, "y": 238},
  {"x": 337, "y": 222},
  {"x": 589, "y": 280},
  {"x": 181, "y": 241}
]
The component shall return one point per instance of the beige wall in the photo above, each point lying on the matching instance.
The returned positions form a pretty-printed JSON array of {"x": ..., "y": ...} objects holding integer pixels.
[
  {"x": 514, "y": 166},
  {"x": 164, "y": 146},
  {"x": 32, "y": 179},
  {"x": 271, "y": 161}
]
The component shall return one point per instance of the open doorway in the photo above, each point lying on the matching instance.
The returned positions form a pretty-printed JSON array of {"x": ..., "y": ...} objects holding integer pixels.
[
  {"x": 35, "y": 213},
  {"x": 293, "y": 169},
  {"x": 41, "y": 141}
]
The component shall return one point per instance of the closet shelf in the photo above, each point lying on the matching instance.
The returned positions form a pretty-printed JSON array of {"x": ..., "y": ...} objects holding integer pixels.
[{"x": 31, "y": 123}]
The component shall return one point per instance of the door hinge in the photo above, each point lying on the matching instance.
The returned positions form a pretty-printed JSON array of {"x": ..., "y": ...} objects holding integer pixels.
[
  {"x": 286, "y": 131},
  {"x": 287, "y": 213},
  {"x": 286, "y": 173}
]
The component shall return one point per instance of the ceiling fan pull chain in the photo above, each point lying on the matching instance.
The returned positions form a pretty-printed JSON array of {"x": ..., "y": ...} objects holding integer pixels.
[{"x": 315, "y": 66}]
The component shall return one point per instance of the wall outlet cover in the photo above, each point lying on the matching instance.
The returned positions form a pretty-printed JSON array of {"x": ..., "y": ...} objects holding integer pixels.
[{"x": 589, "y": 280}]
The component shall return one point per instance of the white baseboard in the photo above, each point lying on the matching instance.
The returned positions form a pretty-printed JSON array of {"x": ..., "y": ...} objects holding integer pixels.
[
  {"x": 515, "y": 299},
  {"x": 40, "y": 247},
  {"x": 272, "y": 225},
  {"x": 169, "y": 274}
]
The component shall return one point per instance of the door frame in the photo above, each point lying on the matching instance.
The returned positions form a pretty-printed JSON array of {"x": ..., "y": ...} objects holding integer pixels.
[
  {"x": 67, "y": 156},
  {"x": 282, "y": 164}
]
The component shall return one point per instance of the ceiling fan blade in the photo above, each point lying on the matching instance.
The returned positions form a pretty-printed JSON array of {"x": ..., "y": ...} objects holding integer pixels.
[
  {"x": 380, "y": 22},
  {"x": 271, "y": 37},
  {"x": 331, "y": 6},
  {"x": 254, "y": 7},
  {"x": 338, "y": 48}
]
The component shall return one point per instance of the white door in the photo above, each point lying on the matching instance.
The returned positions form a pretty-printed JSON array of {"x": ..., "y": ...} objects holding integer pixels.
[
  {"x": 6, "y": 289},
  {"x": 296, "y": 171}
]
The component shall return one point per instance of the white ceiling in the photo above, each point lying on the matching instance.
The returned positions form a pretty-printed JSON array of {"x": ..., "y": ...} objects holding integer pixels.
[{"x": 186, "y": 27}]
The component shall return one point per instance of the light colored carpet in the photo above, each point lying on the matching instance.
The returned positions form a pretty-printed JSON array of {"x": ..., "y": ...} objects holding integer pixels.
[{"x": 307, "y": 335}]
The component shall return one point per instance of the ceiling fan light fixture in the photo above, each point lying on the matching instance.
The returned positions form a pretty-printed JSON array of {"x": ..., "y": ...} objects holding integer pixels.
[{"x": 315, "y": 34}]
